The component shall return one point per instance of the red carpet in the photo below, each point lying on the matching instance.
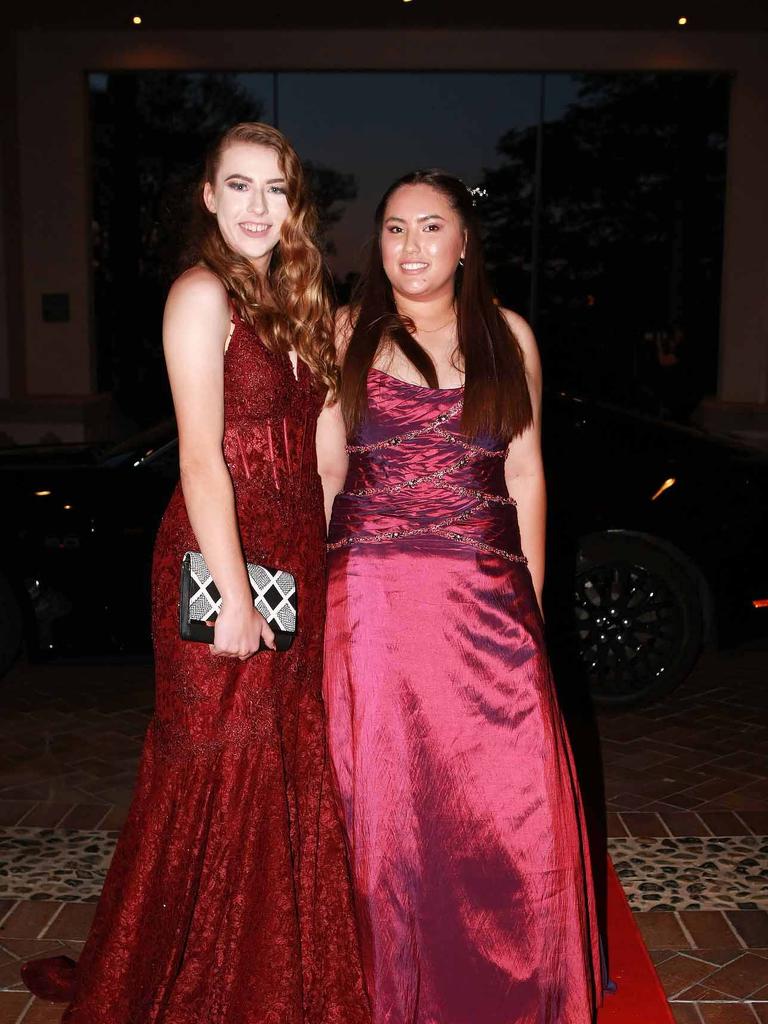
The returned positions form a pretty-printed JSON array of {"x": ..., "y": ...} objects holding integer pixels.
[{"x": 640, "y": 999}]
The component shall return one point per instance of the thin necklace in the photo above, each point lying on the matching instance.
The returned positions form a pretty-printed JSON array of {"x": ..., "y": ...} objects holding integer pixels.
[{"x": 434, "y": 330}]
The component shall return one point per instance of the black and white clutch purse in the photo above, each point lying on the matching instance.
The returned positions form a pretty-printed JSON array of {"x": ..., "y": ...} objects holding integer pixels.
[{"x": 274, "y": 595}]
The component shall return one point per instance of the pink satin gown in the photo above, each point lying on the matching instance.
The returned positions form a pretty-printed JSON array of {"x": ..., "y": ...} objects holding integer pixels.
[{"x": 461, "y": 804}]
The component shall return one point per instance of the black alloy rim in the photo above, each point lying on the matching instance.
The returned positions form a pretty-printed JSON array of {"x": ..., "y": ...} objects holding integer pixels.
[{"x": 629, "y": 628}]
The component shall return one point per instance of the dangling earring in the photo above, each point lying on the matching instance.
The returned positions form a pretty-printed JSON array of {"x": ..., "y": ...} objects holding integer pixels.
[{"x": 461, "y": 261}]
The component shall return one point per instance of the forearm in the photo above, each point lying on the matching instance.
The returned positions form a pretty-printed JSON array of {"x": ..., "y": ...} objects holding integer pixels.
[
  {"x": 333, "y": 484},
  {"x": 332, "y": 456},
  {"x": 210, "y": 501},
  {"x": 530, "y": 494}
]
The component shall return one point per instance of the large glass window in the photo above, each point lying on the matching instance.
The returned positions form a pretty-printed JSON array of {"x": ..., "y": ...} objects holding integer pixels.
[
  {"x": 379, "y": 126},
  {"x": 603, "y": 215},
  {"x": 630, "y": 234}
]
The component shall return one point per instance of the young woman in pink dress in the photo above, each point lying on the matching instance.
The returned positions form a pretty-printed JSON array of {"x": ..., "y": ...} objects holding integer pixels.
[
  {"x": 228, "y": 899},
  {"x": 462, "y": 807}
]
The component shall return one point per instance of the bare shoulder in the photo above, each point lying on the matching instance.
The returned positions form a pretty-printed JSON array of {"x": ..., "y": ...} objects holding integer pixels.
[
  {"x": 344, "y": 327},
  {"x": 200, "y": 289},
  {"x": 197, "y": 315},
  {"x": 520, "y": 328},
  {"x": 525, "y": 338}
]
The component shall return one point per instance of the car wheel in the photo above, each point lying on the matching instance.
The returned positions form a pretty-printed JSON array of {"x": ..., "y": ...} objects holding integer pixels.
[
  {"x": 11, "y": 626},
  {"x": 639, "y": 619}
]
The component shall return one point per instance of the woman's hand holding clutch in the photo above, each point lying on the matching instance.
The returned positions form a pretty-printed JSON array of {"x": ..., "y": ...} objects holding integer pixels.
[{"x": 240, "y": 631}]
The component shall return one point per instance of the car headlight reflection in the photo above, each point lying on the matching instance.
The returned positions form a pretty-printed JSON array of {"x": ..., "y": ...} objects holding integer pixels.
[{"x": 669, "y": 482}]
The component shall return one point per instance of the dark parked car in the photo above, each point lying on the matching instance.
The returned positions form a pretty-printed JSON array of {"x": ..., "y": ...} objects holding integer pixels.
[
  {"x": 657, "y": 545},
  {"x": 77, "y": 525},
  {"x": 657, "y": 542}
]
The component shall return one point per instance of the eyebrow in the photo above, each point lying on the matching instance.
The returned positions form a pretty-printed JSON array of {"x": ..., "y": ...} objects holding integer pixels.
[
  {"x": 244, "y": 177},
  {"x": 425, "y": 216}
]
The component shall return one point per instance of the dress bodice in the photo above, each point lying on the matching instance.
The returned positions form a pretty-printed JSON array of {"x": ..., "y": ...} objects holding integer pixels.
[
  {"x": 413, "y": 474},
  {"x": 270, "y": 419},
  {"x": 269, "y": 413}
]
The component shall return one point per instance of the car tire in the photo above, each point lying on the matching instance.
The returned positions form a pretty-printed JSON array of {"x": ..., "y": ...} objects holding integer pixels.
[
  {"x": 11, "y": 626},
  {"x": 640, "y": 622}
]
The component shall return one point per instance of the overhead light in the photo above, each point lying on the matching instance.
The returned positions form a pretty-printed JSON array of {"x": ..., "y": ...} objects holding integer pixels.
[
  {"x": 682, "y": 21},
  {"x": 670, "y": 482},
  {"x": 42, "y": 494},
  {"x": 136, "y": 19},
  {"x": 67, "y": 507}
]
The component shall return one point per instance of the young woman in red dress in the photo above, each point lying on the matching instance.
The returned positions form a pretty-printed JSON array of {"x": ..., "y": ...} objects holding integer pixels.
[
  {"x": 228, "y": 899},
  {"x": 462, "y": 807}
]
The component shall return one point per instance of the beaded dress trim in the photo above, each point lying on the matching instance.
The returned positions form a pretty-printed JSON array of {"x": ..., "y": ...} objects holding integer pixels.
[{"x": 470, "y": 453}]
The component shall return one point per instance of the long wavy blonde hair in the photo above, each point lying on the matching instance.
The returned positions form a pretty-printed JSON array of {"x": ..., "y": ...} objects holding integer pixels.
[{"x": 292, "y": 308}]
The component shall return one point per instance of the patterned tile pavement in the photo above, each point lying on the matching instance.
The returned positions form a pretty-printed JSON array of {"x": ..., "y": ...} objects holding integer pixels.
[
  {"x": 693, "y": 872},
  {"x": 685, "y": 784},
  {"x": 686, "y": 787}
]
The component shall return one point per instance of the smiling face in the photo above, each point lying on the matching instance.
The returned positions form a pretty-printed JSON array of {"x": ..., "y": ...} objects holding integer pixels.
[
  {"x": 422, "y": 240},
  {"x": 248, "y": 199}
]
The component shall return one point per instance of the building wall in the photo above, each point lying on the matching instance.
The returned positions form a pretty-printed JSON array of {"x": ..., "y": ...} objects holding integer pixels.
[
  {"x": 744, "y": 321},
  {"x": 5, "y": 333},
  {"x": 53, "y": 169},
  {"x": 10, "y": 262}
]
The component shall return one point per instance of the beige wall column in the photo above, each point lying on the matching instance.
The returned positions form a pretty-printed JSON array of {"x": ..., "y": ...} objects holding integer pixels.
[
  {"x": 5, "y": 329},
  {"x": 744, "y": 318},
  {"x": 51, "y": 393},
  {"x": 54, "y": 177},
  {"x": 11, "y": 320}
]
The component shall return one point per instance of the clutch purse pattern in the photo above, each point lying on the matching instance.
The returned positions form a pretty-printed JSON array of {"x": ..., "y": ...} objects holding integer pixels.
[{"x": 274, "y": 595}]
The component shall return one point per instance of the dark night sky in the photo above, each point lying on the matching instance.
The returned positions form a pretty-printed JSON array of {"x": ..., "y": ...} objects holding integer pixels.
[{"x": 378, "y": 126}]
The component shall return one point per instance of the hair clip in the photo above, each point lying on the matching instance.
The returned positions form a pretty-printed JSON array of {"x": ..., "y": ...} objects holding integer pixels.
[{"x": 478, "y": 192}]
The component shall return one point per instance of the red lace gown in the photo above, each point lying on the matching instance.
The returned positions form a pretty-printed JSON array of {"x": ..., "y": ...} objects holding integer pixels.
[{"x": 228, "y": 899}]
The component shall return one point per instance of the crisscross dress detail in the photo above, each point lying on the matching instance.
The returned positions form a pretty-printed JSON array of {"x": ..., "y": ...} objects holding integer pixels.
[{"x": 461, "y": 804}]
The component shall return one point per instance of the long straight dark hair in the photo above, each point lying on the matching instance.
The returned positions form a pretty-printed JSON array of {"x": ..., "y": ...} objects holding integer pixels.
[{"x": 496, "y": 398}]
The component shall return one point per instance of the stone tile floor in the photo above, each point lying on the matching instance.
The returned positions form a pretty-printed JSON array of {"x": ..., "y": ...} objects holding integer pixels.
[
  {"x": 686, "y": 787},
  {"x": 685, "y": 784}
]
